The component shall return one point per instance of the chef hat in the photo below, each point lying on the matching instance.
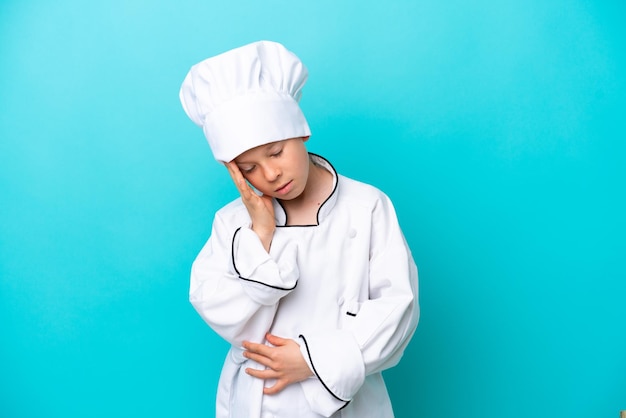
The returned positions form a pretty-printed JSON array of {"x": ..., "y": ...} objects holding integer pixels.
[{"x": 246, "y": 97}]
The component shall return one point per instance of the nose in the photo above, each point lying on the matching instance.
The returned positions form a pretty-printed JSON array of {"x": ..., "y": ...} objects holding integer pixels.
[{"x": 271, "y": 172}]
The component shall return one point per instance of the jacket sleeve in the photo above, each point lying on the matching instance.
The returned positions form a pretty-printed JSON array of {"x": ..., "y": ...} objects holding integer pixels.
[
  {"x": 236, "y": 285},
  {"x": 376, "y": 330}
]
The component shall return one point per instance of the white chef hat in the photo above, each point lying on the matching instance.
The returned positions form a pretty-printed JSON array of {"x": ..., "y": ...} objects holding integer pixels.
[{"x": 246, "y": 97}]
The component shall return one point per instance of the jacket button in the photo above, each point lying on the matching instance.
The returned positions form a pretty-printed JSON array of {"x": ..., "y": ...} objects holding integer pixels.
[{"x": 352, "y": 233}]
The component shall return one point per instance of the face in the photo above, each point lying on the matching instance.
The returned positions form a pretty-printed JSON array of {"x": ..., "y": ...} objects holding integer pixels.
[{"x": 278, "y": 169}]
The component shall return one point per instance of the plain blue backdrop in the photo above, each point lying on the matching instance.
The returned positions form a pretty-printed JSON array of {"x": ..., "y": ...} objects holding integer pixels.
[{"x": 497, "y": 128}]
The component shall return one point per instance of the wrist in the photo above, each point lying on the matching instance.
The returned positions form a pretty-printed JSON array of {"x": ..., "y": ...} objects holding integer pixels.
[{"x": 265, "y": 235}]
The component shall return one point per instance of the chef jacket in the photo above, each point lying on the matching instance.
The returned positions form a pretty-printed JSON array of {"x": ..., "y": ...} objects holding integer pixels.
[{"x": 345, "y": 289}]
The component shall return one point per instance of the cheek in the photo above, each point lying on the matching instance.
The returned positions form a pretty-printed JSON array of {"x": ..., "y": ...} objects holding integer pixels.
[{"x": 304, "y": 164}]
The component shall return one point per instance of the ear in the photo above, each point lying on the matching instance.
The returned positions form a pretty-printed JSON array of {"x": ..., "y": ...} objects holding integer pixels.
[{"x": 305, "y": 138}]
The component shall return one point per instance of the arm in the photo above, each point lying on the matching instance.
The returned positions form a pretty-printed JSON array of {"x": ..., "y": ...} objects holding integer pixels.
[
  {"x": 236, "y": 284},
  {"x": 376, "y": 330}
]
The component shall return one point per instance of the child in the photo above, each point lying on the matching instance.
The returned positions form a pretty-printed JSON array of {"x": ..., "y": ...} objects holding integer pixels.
[{"x": 308, "y": 277}]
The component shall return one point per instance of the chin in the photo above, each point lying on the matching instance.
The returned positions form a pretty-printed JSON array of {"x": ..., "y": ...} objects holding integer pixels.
[{"x": 290, "y": 196}]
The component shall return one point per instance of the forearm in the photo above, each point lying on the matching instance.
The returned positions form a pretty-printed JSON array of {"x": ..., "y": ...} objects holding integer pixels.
[
  {"x": 265, "y": 235},
  {"x": 236, "y": 285}
]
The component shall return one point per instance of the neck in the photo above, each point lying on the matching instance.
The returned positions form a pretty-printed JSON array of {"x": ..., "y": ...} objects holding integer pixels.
[{"x": 303, "y": 209}]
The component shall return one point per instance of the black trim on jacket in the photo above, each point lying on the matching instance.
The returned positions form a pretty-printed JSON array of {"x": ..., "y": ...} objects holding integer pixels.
[
  {"x": 317, "y": 215},
  {"x": 318, "y": 376},
  {"x": 232, "y": 255}
]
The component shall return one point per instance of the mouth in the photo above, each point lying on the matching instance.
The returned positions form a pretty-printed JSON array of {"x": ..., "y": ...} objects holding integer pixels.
[{"x": 284, "y": 188}]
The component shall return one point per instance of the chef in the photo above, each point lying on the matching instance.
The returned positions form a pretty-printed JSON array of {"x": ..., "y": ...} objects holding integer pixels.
[{"x": 307, "y": 274}]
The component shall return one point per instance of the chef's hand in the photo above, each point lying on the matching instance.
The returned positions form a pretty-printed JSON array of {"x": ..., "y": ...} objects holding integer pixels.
[
  {"x": 260, "y": 208},
  {"x": 284, "y": 362}
]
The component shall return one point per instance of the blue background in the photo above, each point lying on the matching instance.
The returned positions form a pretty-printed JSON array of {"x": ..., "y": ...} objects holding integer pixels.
[{"x": 497, "y": 128}]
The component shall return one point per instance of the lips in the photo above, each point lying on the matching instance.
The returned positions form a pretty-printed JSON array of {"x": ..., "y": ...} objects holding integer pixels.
[{"x": 284, "y": 188}]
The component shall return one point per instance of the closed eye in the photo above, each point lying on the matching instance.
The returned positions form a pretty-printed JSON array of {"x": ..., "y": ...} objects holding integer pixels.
[
  {"x": 247, "y": 170},
  {"x": 276, "y": 151}
]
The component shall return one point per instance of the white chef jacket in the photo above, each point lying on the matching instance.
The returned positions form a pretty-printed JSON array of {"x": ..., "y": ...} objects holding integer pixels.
[{"x": 345, "y": 289}]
